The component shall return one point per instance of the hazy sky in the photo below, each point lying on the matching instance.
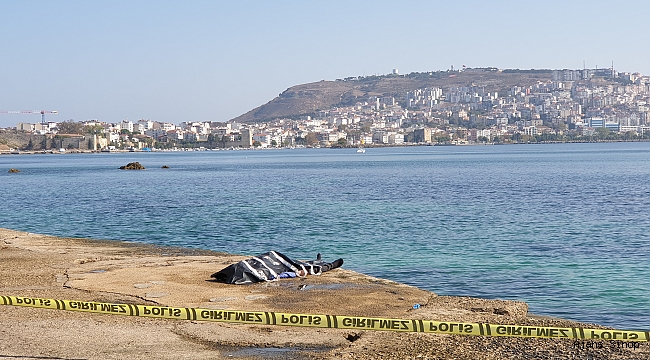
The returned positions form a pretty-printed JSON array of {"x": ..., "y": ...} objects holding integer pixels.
[{"x": 215, "y": 60}]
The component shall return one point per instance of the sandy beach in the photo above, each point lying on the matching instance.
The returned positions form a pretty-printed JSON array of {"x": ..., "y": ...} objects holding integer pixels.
[{"x": 120, "y": 272}]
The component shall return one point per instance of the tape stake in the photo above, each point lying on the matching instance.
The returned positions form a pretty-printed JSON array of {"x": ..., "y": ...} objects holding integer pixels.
[{"x": 325, "y": 321}]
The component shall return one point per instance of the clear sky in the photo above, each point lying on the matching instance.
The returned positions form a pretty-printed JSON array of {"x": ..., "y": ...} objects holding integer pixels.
[{"x": 214, "y": 60}]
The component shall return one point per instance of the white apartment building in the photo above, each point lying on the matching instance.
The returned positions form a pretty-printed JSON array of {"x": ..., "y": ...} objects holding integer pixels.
[{"x": 126, "y": 125}]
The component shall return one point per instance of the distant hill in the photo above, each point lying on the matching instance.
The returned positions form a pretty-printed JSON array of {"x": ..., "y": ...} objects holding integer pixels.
[{"x": 308, "y": 98}]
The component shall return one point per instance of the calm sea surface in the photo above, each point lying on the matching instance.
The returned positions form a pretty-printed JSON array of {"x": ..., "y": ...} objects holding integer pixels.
[{"x": 564, "y": 227}]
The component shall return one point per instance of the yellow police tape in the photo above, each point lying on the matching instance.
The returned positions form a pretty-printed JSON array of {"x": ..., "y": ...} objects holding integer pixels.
[{"x": 327, "y": 321}]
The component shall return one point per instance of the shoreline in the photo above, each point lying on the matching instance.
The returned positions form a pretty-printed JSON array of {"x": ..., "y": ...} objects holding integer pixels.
[
  {"x": 113, "y": 271},
  {"x": 371, "y": 146}
]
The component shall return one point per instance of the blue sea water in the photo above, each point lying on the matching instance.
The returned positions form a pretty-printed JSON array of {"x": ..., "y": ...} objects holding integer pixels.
[{"x": 564, "y": 227}]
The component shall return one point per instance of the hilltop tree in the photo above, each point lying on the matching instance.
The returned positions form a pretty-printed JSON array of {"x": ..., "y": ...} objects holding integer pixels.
[
  {"x": 70, "y": 127},
  {"x": 93, "y": 129}
]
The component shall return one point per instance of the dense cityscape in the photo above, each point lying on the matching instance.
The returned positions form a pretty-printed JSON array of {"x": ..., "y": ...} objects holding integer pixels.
[{"x": 575, "y": 105}]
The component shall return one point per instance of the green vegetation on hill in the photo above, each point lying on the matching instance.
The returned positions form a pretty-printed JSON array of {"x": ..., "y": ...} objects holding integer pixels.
[{"x": 311, "y": 97}]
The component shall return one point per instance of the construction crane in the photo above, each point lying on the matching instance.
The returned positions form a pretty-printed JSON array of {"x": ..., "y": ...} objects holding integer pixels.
[{"x": 42, "y": 112}]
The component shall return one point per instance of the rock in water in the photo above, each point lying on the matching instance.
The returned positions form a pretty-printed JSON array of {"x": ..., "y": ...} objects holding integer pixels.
[
  {"x": 132, "y": 166},
  {"x": 12, "y": 170},
  {"x": 165, "y": 167}
]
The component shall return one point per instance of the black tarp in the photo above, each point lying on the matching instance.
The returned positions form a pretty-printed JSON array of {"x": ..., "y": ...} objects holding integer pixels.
[{"x": 265, "y": 267}]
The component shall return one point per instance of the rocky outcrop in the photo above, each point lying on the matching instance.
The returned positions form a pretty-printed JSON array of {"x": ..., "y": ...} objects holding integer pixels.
[
  {"x": 132, "y": 166},
  {"x": 31, "y": 142}
]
